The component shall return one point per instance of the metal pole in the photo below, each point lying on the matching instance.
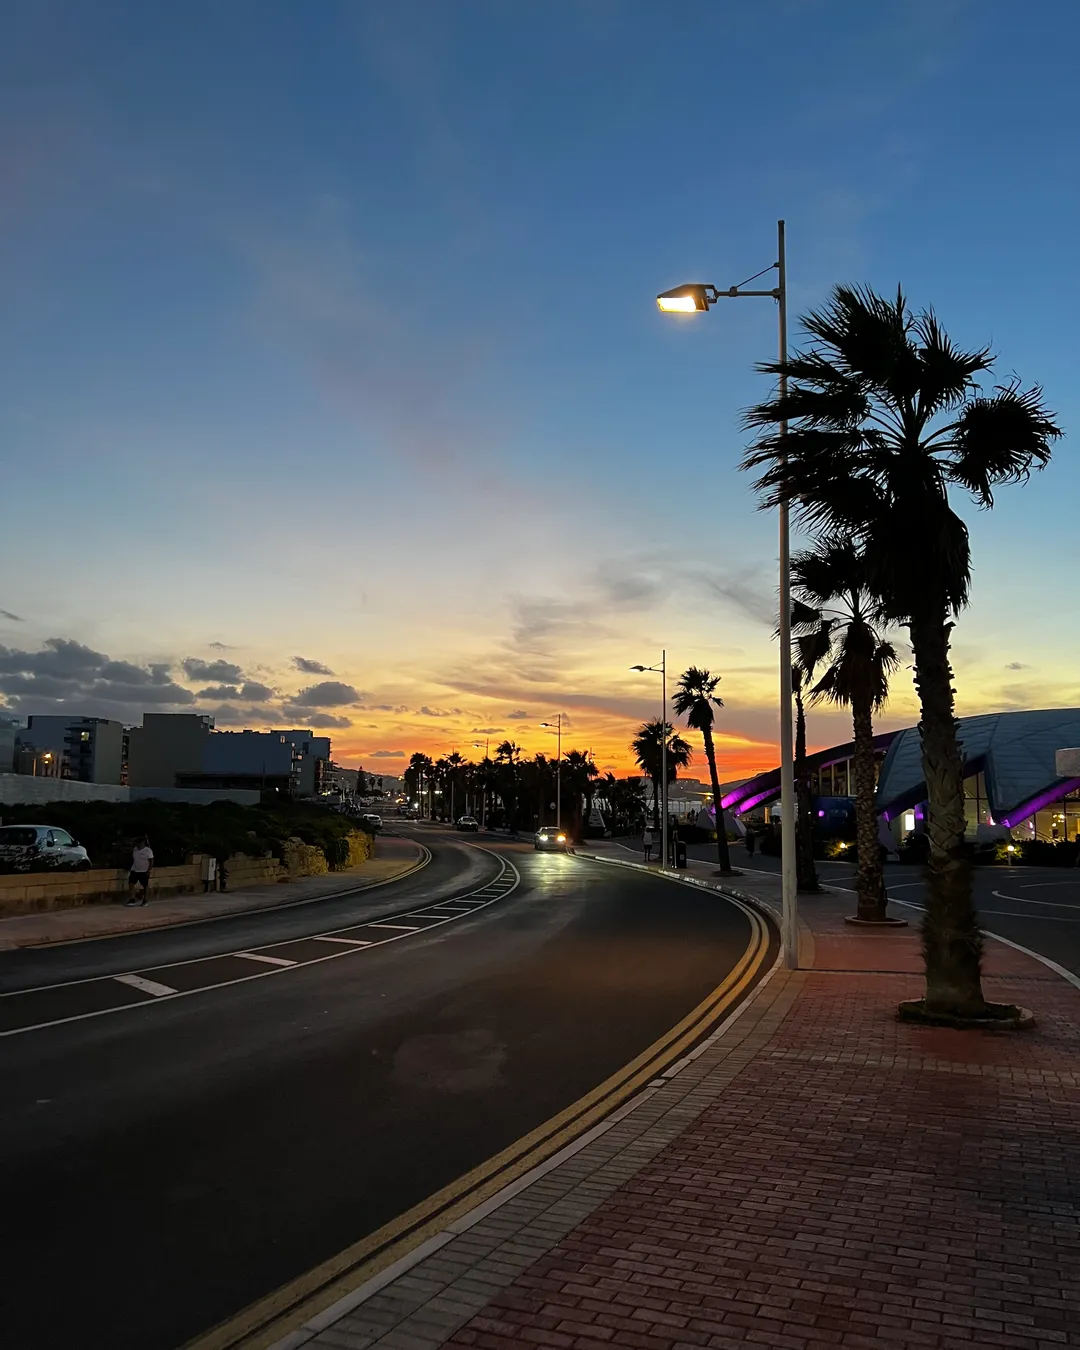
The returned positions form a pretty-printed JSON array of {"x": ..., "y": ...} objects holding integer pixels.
[
  {"x": 663, "y": 758},
  {"x": 790, "y": 913},
  {"x": 558, "y": 774}
]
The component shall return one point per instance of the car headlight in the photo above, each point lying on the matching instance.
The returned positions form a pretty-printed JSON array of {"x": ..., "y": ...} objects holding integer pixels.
[{"x": 562, "y": 839}]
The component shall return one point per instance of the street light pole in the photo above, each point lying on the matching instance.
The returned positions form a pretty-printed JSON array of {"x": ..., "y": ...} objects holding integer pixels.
[
  {"x": 483, "y": 788},
  {"x": 557, "y": 724},
  {"x": 661, "y": 670},
  {"x": 690, "y": 299},
  {"x": 789, "y": 876}
]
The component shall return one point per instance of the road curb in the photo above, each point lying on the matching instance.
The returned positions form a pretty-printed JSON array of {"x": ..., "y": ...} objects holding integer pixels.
[{"x": 275, "y": 907}]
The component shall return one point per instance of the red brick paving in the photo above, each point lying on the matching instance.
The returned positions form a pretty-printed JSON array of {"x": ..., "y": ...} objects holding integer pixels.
[{"x": 860, "y": 1183}]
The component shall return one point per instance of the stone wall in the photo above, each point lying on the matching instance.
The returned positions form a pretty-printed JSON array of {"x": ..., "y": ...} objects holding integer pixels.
[{"x": 32, "y": 892}]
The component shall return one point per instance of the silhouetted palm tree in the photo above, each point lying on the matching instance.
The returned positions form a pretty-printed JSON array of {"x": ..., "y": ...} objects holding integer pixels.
[
  {"x": 837, "y": 622},
  {"x": 648, "y": 754},
  {"x": 578, "y": 772},
  {"x": 694, "y": 698},
  {"x": 885, "y": 417}
]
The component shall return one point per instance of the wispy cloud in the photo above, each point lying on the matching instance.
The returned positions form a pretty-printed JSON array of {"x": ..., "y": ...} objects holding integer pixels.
[{"x": 309, "y": 667}]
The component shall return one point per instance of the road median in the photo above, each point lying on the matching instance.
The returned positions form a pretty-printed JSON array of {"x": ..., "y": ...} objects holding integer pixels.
[{"x": 399, "y": 857}]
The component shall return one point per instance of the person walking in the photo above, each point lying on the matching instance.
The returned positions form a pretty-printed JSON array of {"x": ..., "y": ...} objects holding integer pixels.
[
  {"x": 647, "y": 843},
  {"x": 142, "y": 864},
  {"x": 750, "y": 842}
]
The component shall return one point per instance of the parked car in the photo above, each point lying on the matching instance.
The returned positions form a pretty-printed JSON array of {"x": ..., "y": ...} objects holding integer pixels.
[
  {"x": 468, "y": 823},
  {"x": 372, "y": 820},
  {"x": 551, "y": 837},
  {"x": 25, "y": 848}
]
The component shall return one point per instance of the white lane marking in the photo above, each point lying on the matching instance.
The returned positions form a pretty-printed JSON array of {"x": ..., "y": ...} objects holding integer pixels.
[
  {"x": 269, "y": 960},
  {"x": 1016, "y": 946},
  {"x": 1019, "y": 900},
  {"x": 145, "y": 986},
  {"x": 346, "y": 942},
  {"x": 401, "y": 927},
  {"x": 221, "y": 984}
]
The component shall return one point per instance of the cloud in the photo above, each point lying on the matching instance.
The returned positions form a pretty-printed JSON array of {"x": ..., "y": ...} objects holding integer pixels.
[
  {"x": 311, "y": 667},
  {"x": 520, "y": 715},
  {"x": 318, "y": 720},
  {"x": 326, "y": 694},
  {"x": 385, "y": 754},
  {"x": 742, "y": 589},
  {"x": 219, "y": 691},
  {"x": 1016, "y": 665},
  {"x": 7, "y": 614},
  {"x": 220, "y": 646},
  {"x": 425, "y": 711},
  {"x": 485, "y": 731},
  {"x": 255, "y": 692},
  {"x": 66, "y": 676},
  {"x": 223, "y": 671}
]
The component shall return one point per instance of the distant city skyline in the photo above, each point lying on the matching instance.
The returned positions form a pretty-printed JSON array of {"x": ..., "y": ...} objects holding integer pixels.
[{"x": 332, "y": 389}]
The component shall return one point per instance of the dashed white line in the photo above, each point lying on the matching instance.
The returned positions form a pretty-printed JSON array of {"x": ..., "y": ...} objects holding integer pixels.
[
  {"x": 145, "y": 986},
  {"x": 400, "y": 927},
  {"x": 278, "y": 963},
  {"x": 346, "y": 942}
]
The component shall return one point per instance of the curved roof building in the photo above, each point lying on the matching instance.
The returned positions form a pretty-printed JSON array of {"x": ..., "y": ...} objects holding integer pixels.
[{"x": 1015, "y": 753}]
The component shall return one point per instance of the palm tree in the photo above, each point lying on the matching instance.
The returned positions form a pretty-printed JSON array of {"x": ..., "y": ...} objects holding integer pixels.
[
  {"x": 648, "y": 754},
  {"x": 578, "y": 772},
  {"x": 507, "y": 771},
  {"x": 885, "y": 417},
  {"x": 837, "y": 621},
  {"x": 805, "y": 871},
  {"x": 695, "y": 695}
]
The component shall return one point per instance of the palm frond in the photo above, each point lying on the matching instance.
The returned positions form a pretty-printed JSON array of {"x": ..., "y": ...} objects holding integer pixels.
[
  {"x": 947, "y": 372},
  {"x": 1000, "y": 439}
]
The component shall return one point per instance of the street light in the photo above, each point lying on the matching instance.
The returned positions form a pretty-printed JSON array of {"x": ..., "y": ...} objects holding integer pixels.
[
  {"x": 661, "y": 670},
  {"x": 483, "y": 786},
  {"x": 692, "y": 299},
  {"x": 557, "y": 724}
]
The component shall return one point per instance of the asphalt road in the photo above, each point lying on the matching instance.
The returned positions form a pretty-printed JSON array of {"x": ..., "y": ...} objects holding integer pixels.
[
  {"x": 1038, "y": 907},
  {"x": 169, "y": 1162}
]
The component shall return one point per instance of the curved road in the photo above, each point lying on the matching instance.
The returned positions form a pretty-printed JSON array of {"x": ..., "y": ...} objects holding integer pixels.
[{"x": 172, "y": 1160}]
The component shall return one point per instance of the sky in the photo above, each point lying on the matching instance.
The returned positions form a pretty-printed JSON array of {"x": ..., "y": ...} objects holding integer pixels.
[{"x": 333, "y": 392}]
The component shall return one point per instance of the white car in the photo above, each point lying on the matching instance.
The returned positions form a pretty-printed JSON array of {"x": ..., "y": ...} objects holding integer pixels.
[
  {"x": 25, "y": 848},
  {"x": 372, "y": 820}
]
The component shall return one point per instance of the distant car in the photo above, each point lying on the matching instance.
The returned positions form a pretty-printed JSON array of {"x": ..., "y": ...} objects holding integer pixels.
[
  {"x": 468, "y": 823},
  {"x": 372, "y": 820},
  {"x": 29, "y": 847},
  {"x": 551, "y": 837}
]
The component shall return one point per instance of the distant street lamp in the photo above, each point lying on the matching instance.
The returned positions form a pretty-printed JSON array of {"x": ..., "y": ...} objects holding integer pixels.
[
  {"x": 483, "y": 786},
  {"x": 557, "y": 725},
  {"x": 692, "y": 299},
  {"x": 661, "y": 670}
]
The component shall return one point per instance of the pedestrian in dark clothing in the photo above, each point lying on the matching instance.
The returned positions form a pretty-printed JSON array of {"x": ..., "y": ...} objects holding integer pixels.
[{"x": 750, "y": 843}]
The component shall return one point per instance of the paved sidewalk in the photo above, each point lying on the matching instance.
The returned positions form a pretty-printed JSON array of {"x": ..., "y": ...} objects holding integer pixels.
[
  {"x": 820, "y": 1175},
  {"x": 395, "y": 857}
]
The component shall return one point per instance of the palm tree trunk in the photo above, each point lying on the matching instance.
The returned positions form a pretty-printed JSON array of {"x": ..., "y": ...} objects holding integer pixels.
[
  {"x": 721, "y": 829},
  {"x": 805, "y": 871},
  {"x": 952, "y": 941},
  {"x": 870, "y": 880},
  {"x": 656, "y": 802}
]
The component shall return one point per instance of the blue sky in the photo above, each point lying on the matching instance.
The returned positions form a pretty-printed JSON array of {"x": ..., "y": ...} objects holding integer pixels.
[{"x": 329, "y": 330}]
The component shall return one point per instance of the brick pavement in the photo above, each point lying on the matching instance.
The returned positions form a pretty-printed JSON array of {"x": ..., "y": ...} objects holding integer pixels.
[{"x": 821, "y": 1175}]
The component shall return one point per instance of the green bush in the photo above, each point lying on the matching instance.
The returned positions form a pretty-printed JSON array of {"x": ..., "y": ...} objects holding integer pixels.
[{"x": 176, "y": 830}]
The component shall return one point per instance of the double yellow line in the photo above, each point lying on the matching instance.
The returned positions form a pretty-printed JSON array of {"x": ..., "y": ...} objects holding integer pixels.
[{"x": 263, "y": 1323}]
